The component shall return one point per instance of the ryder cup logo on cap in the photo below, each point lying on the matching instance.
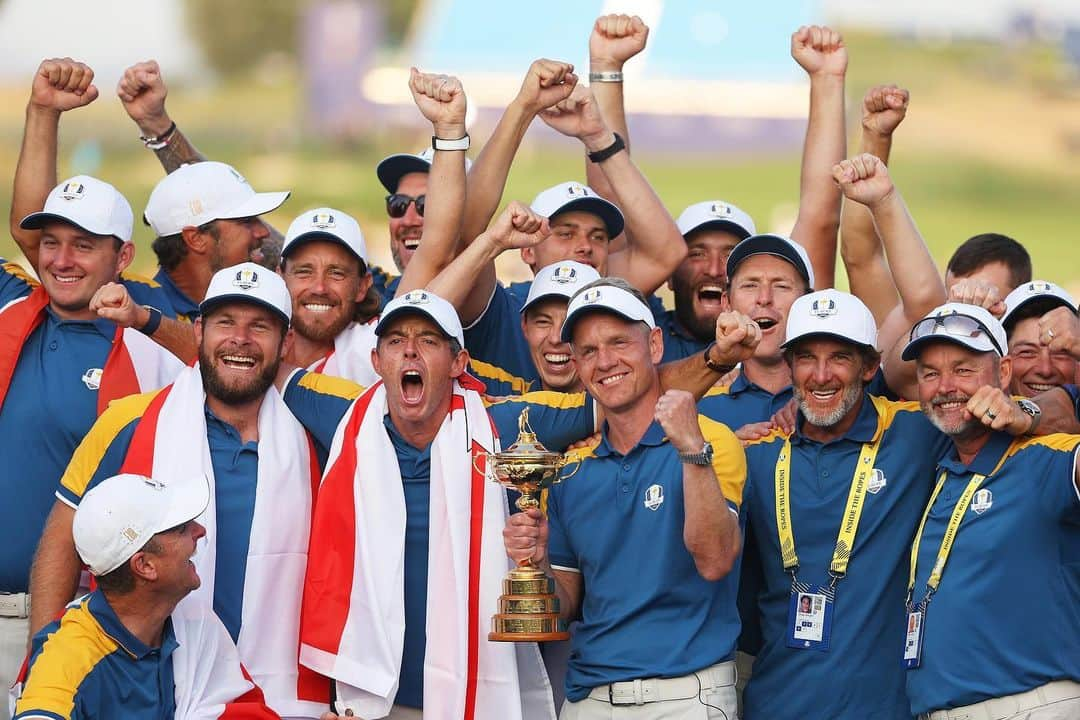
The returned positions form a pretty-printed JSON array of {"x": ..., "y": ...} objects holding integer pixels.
[
  {"x": 969, "y": 326},
  {"x": 428, "y": 304},
  {"x": 716, "y": 215},
  {"x": 118, "y": 517},
  {"x": 87, "y": 203},
  {"x": 1039, "y": 295},
  {"x": 196, "y": 194},
  {"x": 834, "y": 314},
  {"x": 248, "y": 282},
  {"x": 560, "y": 280},
  {"x": 573, "y": 196},
  {"x": 605, "y": 298},
  {"x": 329, "y": 225}
]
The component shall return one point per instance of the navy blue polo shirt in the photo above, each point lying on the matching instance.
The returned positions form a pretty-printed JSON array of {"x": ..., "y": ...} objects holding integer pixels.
[
  {"x": 496, "y": 337},
  {"x": 384, "y": 283},
  {"x": 1074, "y": 393},
  {"x": 497, "y": 382},
  {"x": 50, "y": 405},
  {"x": 87, "y": 665},
  {"x": 678, "y": 342},
  {"x": 184, "y": 307},
  {"x": 145, "y": 291},
  {"x": 861, "y": 676},
  {"x": 14, "y": 282},
  {"x": 1006, "y": 616},
  {"x": 646, "y": 612},
  {"x": 742, "y": 402}
]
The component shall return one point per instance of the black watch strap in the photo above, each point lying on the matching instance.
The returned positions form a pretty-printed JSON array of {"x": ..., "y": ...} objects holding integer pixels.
[
  {"x": 715, "y": 366},
  {"x": 602, "y": 155}
]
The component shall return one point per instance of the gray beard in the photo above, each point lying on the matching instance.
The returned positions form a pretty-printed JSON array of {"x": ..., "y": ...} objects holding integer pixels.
[{"x": 848, "y": 400}]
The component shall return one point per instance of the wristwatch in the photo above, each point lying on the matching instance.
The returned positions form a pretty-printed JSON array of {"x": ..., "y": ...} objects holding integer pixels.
[
  {"x": 461, "y": 143},
  {"x": 712, "y": 364},
  {"x": 1031, "y": 408},
  {"x": 699, "y": 458}
]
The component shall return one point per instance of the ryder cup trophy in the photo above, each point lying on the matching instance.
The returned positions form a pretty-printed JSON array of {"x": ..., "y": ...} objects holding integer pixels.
[{"x": 528, "y": 607}]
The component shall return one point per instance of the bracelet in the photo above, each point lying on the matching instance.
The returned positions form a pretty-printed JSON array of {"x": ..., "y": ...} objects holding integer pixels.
[
  {"x": 715, "y": 366},
  {"x": 601, "y": 155},
  {"x": 162, "y": 140},
  {"x": 612, "y": 76},
  {"x": 153, "y": 323},
  {"x": 461, "y": 143}
]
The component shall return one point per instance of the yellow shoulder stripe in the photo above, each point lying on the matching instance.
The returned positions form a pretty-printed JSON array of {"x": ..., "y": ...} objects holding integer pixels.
[
  {"x": 84, "y": 463},
  {"x": 549, "y": 398},
  {"x": 1057, "y": 441},
  {"x": 142, "y": 279},
  {"x": 69, "y": 655},
  {"x": 331, "y": 385},
  {"x": 774, "y": 434},
  {"x": 484, "y": 370},
  {"x": 16, "y": 270},
  {"x": 729, "y": 459},
  {"x": 718, "y": 390},
  {"x": 888, "y": 410}
]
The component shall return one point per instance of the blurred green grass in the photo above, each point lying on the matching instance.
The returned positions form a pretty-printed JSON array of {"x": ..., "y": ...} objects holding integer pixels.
[{"x": 959, "y": 175}]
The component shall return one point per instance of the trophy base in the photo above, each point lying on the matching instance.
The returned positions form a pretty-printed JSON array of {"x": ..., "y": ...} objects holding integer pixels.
[{"x": 528, "y": 609}]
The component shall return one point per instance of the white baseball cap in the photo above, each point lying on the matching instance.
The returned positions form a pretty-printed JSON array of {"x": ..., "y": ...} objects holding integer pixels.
[
  {"x": 424, "y": 302},
  {"x": 569, "y": 196},
  {"x": 88, "y": 203},
  {"x": 195, "y": 194},
  {"x": 1046, "y": 295},
  {"x": 116, "y": 518},
  {"x": 394, "y": 167},
  {"x": 968, "y": 325},
  {"x": 831, "y": 313},
  {"x": 561, "y": 279},
  {"x": 326, "y": 224},
  {"x": 716, "y": 215},
  {"x": 248, "y": 282},
  {"x": 769, "y": 244},
  {"x": 605, "y": 298}
]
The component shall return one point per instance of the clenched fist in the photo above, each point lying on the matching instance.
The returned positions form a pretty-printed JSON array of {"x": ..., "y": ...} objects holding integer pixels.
[
  {"x": 441, "y": 100},
  {"x": 62, "y": 84},
  {"x": 578, "y": 116},
  {"x": 142, "y": 92},
  {"x": 884, "y": 108},
  {"x": 518, "y": 227},
  {"x": 547, "y": 83},
  {"x": 864, "y": 179},
  {"x": 819, "y": 50},
  {"x": 615, "y": 39},
  {"x": 737, "y": 336}
]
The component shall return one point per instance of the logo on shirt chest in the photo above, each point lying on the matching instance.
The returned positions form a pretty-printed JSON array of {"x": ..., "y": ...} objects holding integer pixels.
[
  {"x": 983, "y": 501},
  {"x": 654, "y": 497},
  {"x": 92, "y": 378},
  {"x": 877, "y": 482}
]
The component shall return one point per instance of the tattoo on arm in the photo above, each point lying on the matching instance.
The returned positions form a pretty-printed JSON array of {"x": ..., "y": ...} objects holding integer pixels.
[{"x": 178, "y": 152}]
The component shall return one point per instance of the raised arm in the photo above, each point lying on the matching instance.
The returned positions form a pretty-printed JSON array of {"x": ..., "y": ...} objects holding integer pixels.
[
  {"x": 54, "y": 576},
  {"x": 865, "y": 179},
  {"x": 737, "y": 336},
  {"x": 655, "y": 246},
  {"x": 869, "y": 277},
  {"x": 60, "y": 84},
  {"x": 614, "y": 40},
  {"x": 441, "y": 100},
  {"x": 112, "y": 301},
  {"x": 821, "y": 53}
]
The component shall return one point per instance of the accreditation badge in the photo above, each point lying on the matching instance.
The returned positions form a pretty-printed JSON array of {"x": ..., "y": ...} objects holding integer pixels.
[
  {"x": 916, "y": 620},
  {"x": 810, "y": 617}
]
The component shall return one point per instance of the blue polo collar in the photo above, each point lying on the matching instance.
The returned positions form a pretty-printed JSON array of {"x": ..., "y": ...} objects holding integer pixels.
[
  {"x": 986, "y": 460},
  {"x": 107, "y": 328},
  {"x": 863, "y": 430},
  {"x": 654, "y": 436},
  {"x": 105, "y": 616}
]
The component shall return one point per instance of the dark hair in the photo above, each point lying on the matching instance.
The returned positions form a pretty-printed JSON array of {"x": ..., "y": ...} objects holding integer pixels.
[
  {"x": 121, "y": 581},
  {"x": 170, "y": 250},
  {"x": 981, "y": 250},
  {"x": 1032, "y": 308}
]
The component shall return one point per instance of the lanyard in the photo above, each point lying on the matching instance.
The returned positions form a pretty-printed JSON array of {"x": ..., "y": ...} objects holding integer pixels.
[
  {"x": 950, "y": 533},
  {"x": 849, "y": 525}
]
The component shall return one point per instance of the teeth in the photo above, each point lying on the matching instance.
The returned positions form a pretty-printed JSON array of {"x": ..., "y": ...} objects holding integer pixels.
[
  {"x": 612, "y": 379},
  {"x": 412, "y": 243},
  {"x": 317, "y": 307},
  {"x": 952, "y": 405},
  {"x": 66, "y": 279},
  {"x": 764, "y": 322},
  {"x": 412, "y": 374},
  {"x": 557, "y": 358},
  {"x": 239, "y": 360},
  {"x": 1041, "y": 387},
  {"x": 823, "y": 394}
]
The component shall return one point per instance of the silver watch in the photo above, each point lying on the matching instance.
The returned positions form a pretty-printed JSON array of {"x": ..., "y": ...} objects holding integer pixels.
[
  {"x": 1031, "y": 408},
  {"x": 699, "y": 458}
]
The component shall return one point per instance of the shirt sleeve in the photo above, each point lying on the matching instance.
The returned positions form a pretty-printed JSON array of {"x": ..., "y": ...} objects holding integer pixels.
[
  {"x": 496, "y": 338},
  {"x": 560, "y": 552},
  {"x": 319, "y": 402},
  {"x": 54, "y": 676},
  {"x": 14, "y": 282},
  {"x": 558, "y": 419},
  {"x": 147, "y": 292},
  {"x": 729, "y": 460},
  {"x": 1074, "y": 393},
  {"x": 102, "y": 451}
]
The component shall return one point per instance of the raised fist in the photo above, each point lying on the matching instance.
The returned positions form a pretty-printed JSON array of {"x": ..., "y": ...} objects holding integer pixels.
[
  {"x": 142, "y": 92},
  {"x": 615, "y": 39},
  {"x": 973, "y": 291},
  {"x": 884, "y": 108},
  {"x": 737, "y": 336},
  {"x": 441, "y": 100},
  {"x": 819, "y": 50},
  {"x": 62, "y": 84},
  {"x": 518, "y": 227},
  {"x": 864, "y": 179},
  {"x": 677, "y": 413},
  {"x": 577, "y": 116},
  {"x": 547, "y": 83}
]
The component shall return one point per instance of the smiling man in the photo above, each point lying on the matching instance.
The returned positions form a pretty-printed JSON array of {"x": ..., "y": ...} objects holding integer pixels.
[
  {"x": 1035, "y": 367},
  {"x": 224, "y": 417}
]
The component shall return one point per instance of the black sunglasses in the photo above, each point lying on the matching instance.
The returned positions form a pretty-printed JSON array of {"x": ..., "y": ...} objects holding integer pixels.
[{"x": 397, "y": 204}]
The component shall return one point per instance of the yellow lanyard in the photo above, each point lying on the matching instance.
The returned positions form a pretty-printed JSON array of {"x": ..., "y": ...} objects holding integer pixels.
[
  {"x": 950, "y": 532},
  {"x": 849, "y": 525}
]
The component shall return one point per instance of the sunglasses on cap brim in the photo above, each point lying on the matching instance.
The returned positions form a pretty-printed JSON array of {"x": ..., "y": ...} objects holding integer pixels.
[
  {"x": 955, "y": 325},
  {"x": 397, "y": 204}
]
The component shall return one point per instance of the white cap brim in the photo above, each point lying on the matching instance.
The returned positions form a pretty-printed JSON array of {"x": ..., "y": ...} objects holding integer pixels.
[
  {"x": 38, "y": 220},
  {"x": 256, "y": 205}
]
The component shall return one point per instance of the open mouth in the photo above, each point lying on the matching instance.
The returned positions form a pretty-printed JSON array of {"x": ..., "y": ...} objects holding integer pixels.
[
  {"x": 238, "y": 362},
  {"x": 949, "y": 404},
  {"x": 710, "y": 294},
  {"x": 557, "y": 359},
  {"x": 765, "y": 323},
  {"x": 66, "y": 279},
  {"x": 1041, "y": 387},
  {"x": 825, "y": 395},
  {"x": 412, "y": 387},
  {"x": 411, "y": 243},
  {"x": 318, "y": 307},
  {"x": 612, "y": 379}
]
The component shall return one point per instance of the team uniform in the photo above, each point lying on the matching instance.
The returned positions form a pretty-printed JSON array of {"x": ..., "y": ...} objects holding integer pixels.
[
  {"x": 1003, "y": 620},
  {"x": 496, "y": 338},
  {"x": 1074, "y": 393},
  {"x": 646, "y": 612},
  {"x": 184, "y": 308},
  {"x": 145, "y": 291},
  {"x": 384, "y": 283},
  {"x": 854, "y": 671}
]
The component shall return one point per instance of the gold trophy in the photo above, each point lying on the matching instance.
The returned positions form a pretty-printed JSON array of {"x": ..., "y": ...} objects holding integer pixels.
[{"x": 528, "y": 607}]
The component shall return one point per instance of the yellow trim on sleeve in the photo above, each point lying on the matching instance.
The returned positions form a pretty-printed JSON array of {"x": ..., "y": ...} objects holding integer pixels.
[
  {"x": 69, "y": 655},
  {"x": 331, "y": 385},
  {"x": 484, "y": 370},
  {"x": 547, "y": 398},
  {"x": 141, "y": 279},
  {"x": 888, "y": 410},
  {"x": 729, "y": 459},
  {"x": 16, "y": 270},
  {"x": 1057, "y": 441},
  {"x": 84, "y": 463},
  {"x": 718, "y": 390}
]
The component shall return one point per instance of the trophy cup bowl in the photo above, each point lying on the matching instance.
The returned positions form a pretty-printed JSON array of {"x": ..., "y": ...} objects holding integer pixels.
[{"x": 528, "y": 607}]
